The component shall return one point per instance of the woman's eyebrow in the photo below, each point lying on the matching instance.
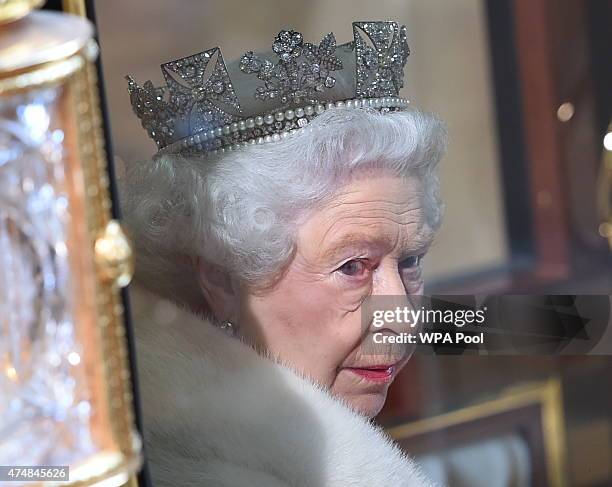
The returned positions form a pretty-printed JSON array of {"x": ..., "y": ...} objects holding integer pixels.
[
  {"x": 422, "y": 240},
  {"x": 419, "y": 244},
  {"x": 356, "y": 241}
]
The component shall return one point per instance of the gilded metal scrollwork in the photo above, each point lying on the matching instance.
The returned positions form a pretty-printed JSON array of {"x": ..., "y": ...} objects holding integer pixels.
[{"x": 63, "y": 357}]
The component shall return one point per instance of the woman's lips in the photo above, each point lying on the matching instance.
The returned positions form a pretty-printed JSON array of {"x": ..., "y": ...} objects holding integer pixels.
[{"x": 375, "y": 373}]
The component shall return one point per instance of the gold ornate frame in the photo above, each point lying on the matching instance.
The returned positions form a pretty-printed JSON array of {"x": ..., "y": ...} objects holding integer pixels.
[
  {"x": 546, "y": 397},
  {"x": 99, "y": 300},
  {"x": 112, "y": 250}
]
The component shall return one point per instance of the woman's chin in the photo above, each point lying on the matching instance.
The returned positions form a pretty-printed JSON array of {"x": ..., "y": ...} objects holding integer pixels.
[{"x": 368, "y": 405}]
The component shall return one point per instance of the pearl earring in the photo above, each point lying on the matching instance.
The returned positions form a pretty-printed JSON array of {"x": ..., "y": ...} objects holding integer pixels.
[{"x": 228, "y": 327}]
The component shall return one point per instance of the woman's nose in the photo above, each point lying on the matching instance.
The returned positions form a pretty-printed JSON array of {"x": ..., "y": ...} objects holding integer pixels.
[
  {"x": 388, "y": 282},
  {"x": 390, "y": 299}
]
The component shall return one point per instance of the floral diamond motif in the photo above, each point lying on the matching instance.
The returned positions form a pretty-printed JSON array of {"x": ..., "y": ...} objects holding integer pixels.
[{"x": 303, "y": 69}]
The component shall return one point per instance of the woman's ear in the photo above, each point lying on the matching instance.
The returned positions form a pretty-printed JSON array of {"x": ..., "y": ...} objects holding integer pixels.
[{"x": 216, "y": 285}]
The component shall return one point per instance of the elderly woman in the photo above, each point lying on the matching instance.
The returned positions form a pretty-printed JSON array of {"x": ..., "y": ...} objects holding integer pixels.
[{"x": 270, "y": 241}]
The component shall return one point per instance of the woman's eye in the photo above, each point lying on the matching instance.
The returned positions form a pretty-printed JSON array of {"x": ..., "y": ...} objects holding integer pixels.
[
  {"x": 410, "y": 262},
  {"x": 353, "y": 268}
]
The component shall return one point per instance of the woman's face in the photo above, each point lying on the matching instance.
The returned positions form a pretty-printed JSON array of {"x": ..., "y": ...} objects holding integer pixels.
[{"x": 365, "y": 242}]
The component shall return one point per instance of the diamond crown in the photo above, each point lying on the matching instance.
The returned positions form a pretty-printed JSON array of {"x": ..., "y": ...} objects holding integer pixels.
[{"x": 207, "y": 105}]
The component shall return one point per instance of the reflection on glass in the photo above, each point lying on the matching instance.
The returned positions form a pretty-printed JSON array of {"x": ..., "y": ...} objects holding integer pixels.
[{"x": 44, "y": 405}]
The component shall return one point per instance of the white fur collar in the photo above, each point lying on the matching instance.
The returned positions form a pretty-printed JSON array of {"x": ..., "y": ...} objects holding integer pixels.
[{"x": 217, "y": 414}]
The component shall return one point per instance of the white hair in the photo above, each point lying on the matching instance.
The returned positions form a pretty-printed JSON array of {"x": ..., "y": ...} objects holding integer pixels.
[{"x": 240, "y": 210}]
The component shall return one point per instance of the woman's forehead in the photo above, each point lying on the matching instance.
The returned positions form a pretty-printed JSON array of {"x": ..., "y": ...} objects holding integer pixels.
[
  {"x": 372, "y": 201},
  {"x": 379, "y": 214}
]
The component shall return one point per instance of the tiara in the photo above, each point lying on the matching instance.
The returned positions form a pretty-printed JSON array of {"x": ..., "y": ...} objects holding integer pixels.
[{"x": 208, "y": 106}]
